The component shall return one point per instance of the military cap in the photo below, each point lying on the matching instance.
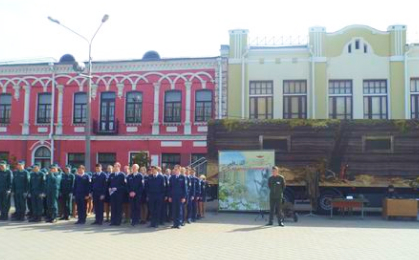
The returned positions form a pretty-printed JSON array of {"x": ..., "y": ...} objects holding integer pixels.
[
  {"x": 54, "y": 166},
  {"x": 21, "y": 162},
  {"x": 68, "y": 166},
  {"x": 36, "y": 165}
]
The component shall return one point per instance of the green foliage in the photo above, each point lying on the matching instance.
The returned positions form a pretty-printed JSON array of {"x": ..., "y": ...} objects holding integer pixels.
[{"x": 141, "y": 159}]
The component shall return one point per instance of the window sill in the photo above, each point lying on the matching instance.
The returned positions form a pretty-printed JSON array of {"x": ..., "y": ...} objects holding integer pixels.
[
  {"x": 200, "y": 123},
  {"x": 171, "y": 124},
  {"x": 78, "y": 124},
  {"x": 43, "y": 124},
  {"x": 4, "y": 124},
  {"x": 133, "y": 124}
]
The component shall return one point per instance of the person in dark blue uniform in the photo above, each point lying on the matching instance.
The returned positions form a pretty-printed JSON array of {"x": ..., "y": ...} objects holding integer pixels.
[
  {"x": 143, "y": 200},
  {"x": 194, "y": 195},
  {"x": 177, "y": 195},
  {"x": 107, "y": 201},
  {"x": 99, "y": 187},
  {"x": 117, "y": 188},
  {"x": 135, "y": 184},
  {"x": 155, "y": 187},
  {"x": 169, "y": 218},
  {"x": 126, "y": 208},
  {"x": 164, "y": 213},
  {"x": 52, "y": 190},
  {"x": 6, "y": 177},
  {"x": 20, "y": 189},
  {"x": 66, "y": 190},
  {"x": 81, "y": 193}
]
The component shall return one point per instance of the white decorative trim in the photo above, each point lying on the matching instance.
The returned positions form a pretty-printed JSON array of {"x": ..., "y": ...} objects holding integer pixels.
[
  {"x": 171, "y": 129},
  {"x": 120, "y": 87},
  {"x": 156, "y": 128},
  {"x": 79, "y": 129},
  {"x": 94, "y": 91},
  {"x": 132, "y": 129},
  {"x": 3, "y": 129},
  {"x": 397, "y": 27},
  {"x": 202, "y": 129},
  {"x": 319, "y": 59},
  {"x": 42, "y": 129},
  {"x": 200, "y": 144},
  {"x": 397, "y": 58},
  {"x": 107, "y": 138},
  {"x": 187, "y": 128},
  {"x": 25, "y": 125},
  {"x": 16, "y": 88},
  {"x": 358, "y": 26},
  {"x": 171, "y": 144}
]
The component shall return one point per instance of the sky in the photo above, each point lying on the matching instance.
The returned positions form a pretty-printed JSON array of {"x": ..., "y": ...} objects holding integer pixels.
[{"x": 183, "y": 28}]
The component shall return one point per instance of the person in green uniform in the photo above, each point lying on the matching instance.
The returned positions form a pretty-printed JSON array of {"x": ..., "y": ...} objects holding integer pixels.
[
  {"x": 53, "y": 182},
  {"x": 37, "y": 192},
  {"x": 66, "y": 191},
  {"x": 276, "y": 184},
  {"x": 20, "y": 188},
  {"x": 6, "y": 177}
]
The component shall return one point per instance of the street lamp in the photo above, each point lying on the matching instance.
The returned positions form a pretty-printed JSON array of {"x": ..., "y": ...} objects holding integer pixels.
[{"x": 79, "y": 67}]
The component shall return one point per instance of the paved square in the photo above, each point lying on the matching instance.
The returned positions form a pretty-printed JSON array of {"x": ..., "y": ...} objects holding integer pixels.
[{"x": 218, "y": 236}]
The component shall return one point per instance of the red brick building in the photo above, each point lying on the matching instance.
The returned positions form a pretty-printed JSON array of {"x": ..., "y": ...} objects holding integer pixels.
[{"x": 157, "y": 106}]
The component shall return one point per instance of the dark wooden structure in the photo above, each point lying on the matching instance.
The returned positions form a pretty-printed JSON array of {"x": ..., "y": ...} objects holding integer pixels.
[{"x": 387, "y": 148}]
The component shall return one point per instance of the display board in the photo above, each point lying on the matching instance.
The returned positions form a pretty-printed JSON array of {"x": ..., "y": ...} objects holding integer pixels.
[{"x": 243, "y": 180}]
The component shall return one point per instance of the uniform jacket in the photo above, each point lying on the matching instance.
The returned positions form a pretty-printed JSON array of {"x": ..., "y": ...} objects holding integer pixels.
[
  {"x": 118, "y": 181},
  {"x": 99, "y": 183},
  {"x": 135, "y": 183},
  {"x": 82, "y": 186},
  {"x": 37, "y": 182},
  {"x": 6, "y": 180},
  {"x": 155, "y": 185},
  {"x": 177, "y": 186},
  {"x": 52, "y": 182},
  {"x": 276, "y": 186},
  {"x": 67, "y": 183},
  {"x": 20, "y": 182}
]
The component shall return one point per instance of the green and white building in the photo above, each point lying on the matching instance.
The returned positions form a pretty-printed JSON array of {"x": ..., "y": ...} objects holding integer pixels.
[{"x": 357, "y": 72}]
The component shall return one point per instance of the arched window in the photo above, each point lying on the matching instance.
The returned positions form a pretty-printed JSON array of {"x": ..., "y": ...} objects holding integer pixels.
[
  {"x": 43, "y": 157},
  {"x": 134, "y": 104},
  {"x": 172, "y": 106},
  {"x": 203, "y": 105}
]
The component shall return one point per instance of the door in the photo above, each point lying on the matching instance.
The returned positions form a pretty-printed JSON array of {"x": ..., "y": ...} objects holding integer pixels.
[{"x": 107, "y": 112}]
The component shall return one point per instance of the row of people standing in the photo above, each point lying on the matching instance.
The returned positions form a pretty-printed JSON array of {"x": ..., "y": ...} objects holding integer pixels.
[{"x": 163, "y": 197}]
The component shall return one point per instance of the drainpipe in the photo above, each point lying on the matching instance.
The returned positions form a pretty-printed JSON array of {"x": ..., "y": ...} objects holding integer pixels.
[
  {"x": 220, "y": 88},
  {"x": 406, "y": 84},
  {"x": 313, "y": 83},
  {"x": 243, "y": 83},
  {"x": 51, "y": 131}
]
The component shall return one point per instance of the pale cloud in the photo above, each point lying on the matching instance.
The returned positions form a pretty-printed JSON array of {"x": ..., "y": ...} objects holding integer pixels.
[{"x": 183, "y": 28}]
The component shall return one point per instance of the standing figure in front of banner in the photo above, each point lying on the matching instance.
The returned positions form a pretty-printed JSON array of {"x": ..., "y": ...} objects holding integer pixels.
[
  {"x": 276, "y": 184},
  {"x": 177, "y": 195}
]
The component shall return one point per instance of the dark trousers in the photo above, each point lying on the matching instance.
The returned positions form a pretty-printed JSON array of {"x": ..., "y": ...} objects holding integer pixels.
[
  {"x": 81, "y": 208},
  {"x": 135, "y": 204},
  {"x": 116, "y": 208},
  {"x": 155, "y": 202},
  {"x": 52, "y": 204},
  {"x": 29, "y": 205},
  {"x": 20, "y": 204},
  {"x": 169, "y": 211},
  {"x": 98, "y": 207},
  {"x": 177, "y": 211},
  {"x": 67, "y": 204},
  {"x": 4, "y": 204},
  {"x": 163, "y": 213},
  {"x": 275, "y": 206},
  {"x": 37, "y": 205},
  {"x": 192, "y": 211}
]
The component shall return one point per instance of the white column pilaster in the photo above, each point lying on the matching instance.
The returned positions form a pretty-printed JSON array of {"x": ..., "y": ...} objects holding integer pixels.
[
  {"x": 25, "y": 125},
  {"x": 156, "y": 124},
  {"x": 59, "y": 127},
  {"x": 188, "y": 86}
]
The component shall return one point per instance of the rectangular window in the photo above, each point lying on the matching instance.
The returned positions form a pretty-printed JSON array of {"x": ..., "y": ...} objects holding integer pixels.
[
  {"x": 340, "y": 99},
  {"x": 277, "y": 143},
  {"x": 295, "y": 99},
  {"x": 134, "y": 105},
  {"x": 168, "y": 160},
  {"x": 173, "y": 106},
  {"x": 5, "y": 108},
  {"x": 44, "y": 108},
  {"x": 414, "y": 98},
  {"x": 261, "y": 99},
  {"x": 75, "y": 159},
  {"x": 80, "y": 105},
  {"x": 375, "y": 99},
  {"x": 106, "y": 159},
  {"x": 357, "y": 44},
  {"x": 203, "y": 105},
  {"x": 378, "y": 144},
  {"x": 4, "y": 156},
  {"x": 199, "y": 163}
]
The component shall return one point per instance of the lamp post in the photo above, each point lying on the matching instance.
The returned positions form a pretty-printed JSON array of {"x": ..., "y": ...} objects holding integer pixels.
[{"x": 79, "y": 67}]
